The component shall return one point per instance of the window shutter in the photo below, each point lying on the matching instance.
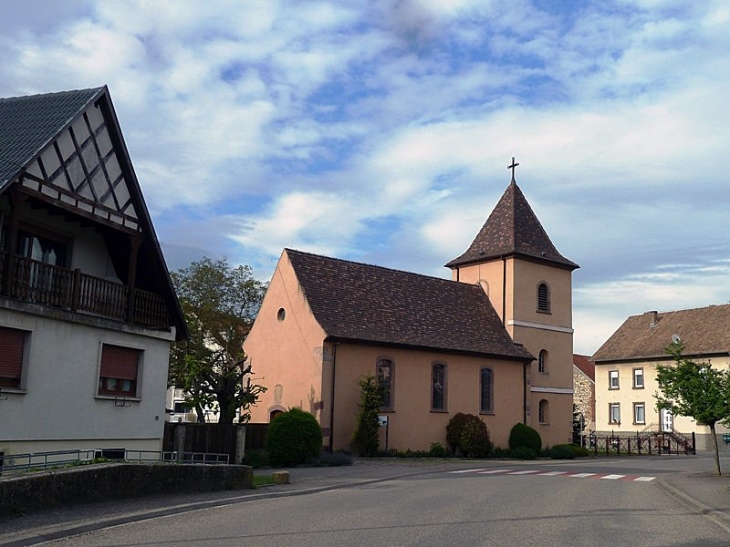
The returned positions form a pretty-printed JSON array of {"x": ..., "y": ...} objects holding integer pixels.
[
  {"x": 12, "y": 342},
  {"x": 118, "y": 362}
]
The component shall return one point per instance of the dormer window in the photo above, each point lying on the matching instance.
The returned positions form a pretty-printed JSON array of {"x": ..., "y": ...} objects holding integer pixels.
[{"x": 543, "y": 298}]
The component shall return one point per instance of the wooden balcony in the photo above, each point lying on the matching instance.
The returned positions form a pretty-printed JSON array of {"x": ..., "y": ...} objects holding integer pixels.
[{"x": 40, "y": 283}]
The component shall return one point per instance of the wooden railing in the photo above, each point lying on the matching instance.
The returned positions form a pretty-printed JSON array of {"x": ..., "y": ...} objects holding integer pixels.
[{"x": 34, "y": 281}]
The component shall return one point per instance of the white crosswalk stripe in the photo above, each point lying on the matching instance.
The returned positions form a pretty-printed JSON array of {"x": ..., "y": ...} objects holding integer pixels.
[{"x": 542, "y": 473}]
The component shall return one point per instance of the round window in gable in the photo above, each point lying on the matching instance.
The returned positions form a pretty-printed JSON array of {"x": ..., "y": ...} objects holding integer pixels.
[{"x": 281, "y": 314}]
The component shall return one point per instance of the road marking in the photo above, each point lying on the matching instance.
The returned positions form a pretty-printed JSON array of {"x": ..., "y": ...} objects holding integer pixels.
[
  {"x": 492, "y": 471},
  {"x": 469, "y": 470},
  {"x": 541, "y": 473}
]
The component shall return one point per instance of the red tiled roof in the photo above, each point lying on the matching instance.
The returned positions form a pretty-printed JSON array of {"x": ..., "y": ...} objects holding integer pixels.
[
  {"x": 703, "y": 331},
  {"x": 512, "y": 229},
  {"x": 371, "y": 304},
  {"x": 588, "y": 368}
]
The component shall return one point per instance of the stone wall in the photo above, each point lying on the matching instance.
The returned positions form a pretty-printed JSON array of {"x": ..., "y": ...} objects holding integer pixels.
[
  {"x": 584, "y": 397},
  {"x": 46, "y": 490}
]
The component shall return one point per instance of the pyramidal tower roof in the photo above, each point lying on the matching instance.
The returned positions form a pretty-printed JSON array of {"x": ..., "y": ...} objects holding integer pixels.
[{"x": 512, "y": 230}]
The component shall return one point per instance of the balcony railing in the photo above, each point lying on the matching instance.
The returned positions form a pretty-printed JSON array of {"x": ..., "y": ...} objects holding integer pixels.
[{"x": 63, "y": 288}]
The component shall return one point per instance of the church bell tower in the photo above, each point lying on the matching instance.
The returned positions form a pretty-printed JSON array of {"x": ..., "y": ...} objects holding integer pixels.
[{"x": 529, "y": 284}]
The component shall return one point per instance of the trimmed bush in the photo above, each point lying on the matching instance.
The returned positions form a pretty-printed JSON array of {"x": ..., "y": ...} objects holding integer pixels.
[
  {"x": 579, "y": 451},
  {"x": 453, "y": 431},
  {"x": 523, "y": 436},
  {"x": 468, "y": 436},
  {"x": 475, "y": 441},
  {"x": 561, "y": 452},
  {"x": 294, "y": 437}
]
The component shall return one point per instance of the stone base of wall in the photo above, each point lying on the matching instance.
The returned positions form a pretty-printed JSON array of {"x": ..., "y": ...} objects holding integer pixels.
[{"x": 101, "y": 482}]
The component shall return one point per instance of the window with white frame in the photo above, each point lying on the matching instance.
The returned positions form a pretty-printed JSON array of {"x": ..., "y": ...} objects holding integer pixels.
[
  {"x": 613, "y": 379},
  {"x": 638, "y": 378},
  {"x": 639, "y": 413},
  {"x": 614, "y": 413}
]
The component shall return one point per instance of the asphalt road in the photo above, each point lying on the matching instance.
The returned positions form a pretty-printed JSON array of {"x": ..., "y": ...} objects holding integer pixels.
[{"x": 576, "y": 503}]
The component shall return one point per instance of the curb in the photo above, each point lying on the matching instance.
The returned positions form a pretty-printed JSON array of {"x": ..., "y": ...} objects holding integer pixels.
[{"x": 719, "y": 518}]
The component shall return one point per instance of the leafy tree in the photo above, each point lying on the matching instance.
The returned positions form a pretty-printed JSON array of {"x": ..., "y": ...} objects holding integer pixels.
[
  {"x": 696, "y": 390},
  {"x": 220, "y": 303},
  {"x": 366, "y": 437}
]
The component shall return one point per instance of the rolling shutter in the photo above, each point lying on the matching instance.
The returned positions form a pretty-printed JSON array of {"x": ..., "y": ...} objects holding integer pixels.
[
  {"x": 12, "y": 342},
  {"x": 119, "y": 363}
]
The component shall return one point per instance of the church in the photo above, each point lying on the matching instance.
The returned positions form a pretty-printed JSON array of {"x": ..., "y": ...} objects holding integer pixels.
[{"x": 495, "y": 341}]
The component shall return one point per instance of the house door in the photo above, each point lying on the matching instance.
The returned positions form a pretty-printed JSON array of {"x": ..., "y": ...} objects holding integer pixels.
[{"x": 667, "y": 421}]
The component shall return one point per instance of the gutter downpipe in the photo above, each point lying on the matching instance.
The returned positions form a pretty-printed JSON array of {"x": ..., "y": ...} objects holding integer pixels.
[
  {"x": 332, "y": 398},
  {"x": 524, "y": 387},
  {"x": 504, "y": 289}
]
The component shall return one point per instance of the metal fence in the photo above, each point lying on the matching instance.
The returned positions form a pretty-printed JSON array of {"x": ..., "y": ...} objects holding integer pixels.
[
  {"x": 39, "y": 461},
  {"x": 640, "y": 445}
]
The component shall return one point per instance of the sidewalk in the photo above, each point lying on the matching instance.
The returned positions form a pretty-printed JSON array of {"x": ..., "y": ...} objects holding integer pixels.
[{"x": 703, "y": 492}]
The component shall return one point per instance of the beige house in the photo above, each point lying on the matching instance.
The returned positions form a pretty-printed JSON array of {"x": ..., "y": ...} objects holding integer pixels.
[
  {"x": 87, "y": 308},
  {"x": 626, "y": 369},
  {"x": 496, "y": 341}
]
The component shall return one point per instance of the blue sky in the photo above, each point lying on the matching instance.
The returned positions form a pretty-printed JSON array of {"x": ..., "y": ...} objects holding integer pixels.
[{"x": 380, "y": 131}]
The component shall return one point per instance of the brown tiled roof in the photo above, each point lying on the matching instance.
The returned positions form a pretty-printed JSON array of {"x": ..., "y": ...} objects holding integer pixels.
[
  {"x": 703, "y": 331},
  {"x": 372, "y": 304},
  {"x": 512, "y": 229},
  {"x": 588, "y": 368}
]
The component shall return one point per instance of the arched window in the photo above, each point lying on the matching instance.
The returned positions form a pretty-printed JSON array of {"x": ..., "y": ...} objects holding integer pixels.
[
  {"x": 438, "y": 386},
  {"x": 385, "y": 371},
  {"x": 486, "y": 391},
  {"x": 543, "y": 298},
  {"x": 542, "y": 362},
  {"x": 544, "y": 412}
]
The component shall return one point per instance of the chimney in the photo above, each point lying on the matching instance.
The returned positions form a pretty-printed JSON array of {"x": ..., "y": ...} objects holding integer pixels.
[{"x": 654, "y": 319}]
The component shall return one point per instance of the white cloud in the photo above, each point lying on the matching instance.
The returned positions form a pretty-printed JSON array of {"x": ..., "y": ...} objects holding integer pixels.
[{"x": 384, "y": 128}]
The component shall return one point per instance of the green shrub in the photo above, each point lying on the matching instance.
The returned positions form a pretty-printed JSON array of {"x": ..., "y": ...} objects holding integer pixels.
[
  {"x": 437, "y": 451},
  {"x": 467, "y": 435},
  {"x": 522, "y": 453},
  {"x": 453, "y": 431},
  {"x": 561, "y": 452},
  {"x": 523, "y": 436},
  {"x": 579, "y": 451},
  {"x": 294, "y": 437},
  {"x": 474, "y": 442},
  {"x": 366, "y": 439}
]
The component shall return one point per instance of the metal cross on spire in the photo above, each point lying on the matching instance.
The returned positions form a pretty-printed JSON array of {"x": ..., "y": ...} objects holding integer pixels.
[{"x": 513, "y": 168}]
